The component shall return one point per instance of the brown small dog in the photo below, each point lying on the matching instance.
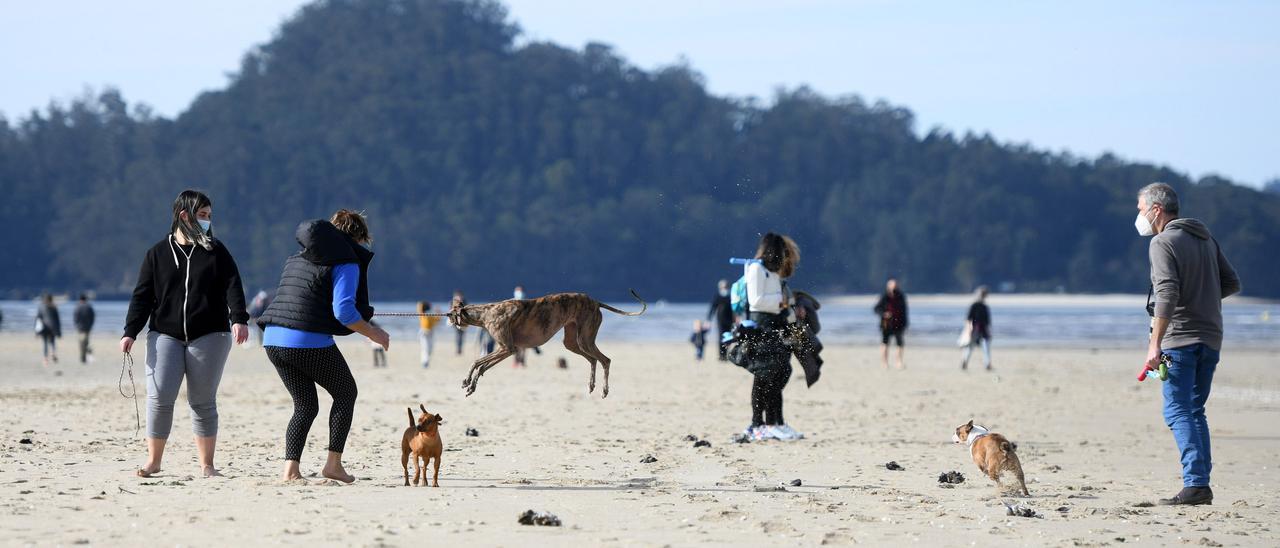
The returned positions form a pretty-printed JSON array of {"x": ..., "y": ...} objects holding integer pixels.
[
  {"x": 422, "y": 439},
  {"x": 993, "y": 453}
]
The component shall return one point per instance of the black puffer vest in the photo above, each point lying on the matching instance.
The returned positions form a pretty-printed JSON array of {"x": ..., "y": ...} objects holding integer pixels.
[{"x": 304, "y": 299}]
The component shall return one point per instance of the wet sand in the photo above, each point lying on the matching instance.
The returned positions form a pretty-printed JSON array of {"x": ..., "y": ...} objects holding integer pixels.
[{"x": 1091, "y": 440}]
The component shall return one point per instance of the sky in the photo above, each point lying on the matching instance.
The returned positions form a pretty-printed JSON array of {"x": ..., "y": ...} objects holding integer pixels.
[{"x": 1192, "y": 85}]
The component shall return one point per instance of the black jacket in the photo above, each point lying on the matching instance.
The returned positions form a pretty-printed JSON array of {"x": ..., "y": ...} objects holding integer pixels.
[
  {"x": 897, "y": 307},
  {"x": 210, "y": 296},
  {"x": 304, "y": 299},
  {"x": 83, "y": 317},
  {"x": 52, "y": 323},
  {"x": 805, "y": 345},
  {"x": 722, "y": 310}
]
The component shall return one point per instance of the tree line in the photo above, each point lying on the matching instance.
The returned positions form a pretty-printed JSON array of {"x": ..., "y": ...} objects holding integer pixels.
[{"x": 482, "y": 162}]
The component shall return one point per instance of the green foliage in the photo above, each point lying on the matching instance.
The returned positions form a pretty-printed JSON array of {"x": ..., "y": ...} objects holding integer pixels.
[{"x": 483, "y": 164}]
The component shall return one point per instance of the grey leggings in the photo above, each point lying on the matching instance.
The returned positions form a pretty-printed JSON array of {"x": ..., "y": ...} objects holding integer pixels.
[{"x": 201, "y": 362}]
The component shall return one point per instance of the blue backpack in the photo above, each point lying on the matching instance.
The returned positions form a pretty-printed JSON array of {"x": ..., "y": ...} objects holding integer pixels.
[{"x": 738, "y": 296}]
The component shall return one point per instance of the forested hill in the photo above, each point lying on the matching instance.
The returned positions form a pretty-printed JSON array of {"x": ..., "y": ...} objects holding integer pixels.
[{"x": 483, "y": 162}]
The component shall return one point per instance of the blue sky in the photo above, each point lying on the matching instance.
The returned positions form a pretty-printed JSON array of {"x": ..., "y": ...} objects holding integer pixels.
[{"x": 1194, "y": 85}]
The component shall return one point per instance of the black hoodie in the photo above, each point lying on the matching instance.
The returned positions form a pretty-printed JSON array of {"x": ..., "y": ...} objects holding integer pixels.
[{"x": 181, "y": 306}]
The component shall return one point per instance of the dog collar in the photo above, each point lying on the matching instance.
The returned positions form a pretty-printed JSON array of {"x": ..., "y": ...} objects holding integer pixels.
[{"x": 974, "y": 434}]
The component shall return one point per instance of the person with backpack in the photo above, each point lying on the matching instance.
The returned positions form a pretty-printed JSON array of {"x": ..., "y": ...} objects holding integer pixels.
[
  {"x": 190, "y": 293},
  {"x": 766, "y": 304}
]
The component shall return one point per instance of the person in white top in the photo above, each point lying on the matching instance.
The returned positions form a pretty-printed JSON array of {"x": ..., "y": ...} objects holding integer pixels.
[{"x": 769, "y": 307}]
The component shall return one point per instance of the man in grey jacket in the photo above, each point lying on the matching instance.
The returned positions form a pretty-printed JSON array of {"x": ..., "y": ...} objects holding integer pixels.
[{"x": 1189, "y": 278}]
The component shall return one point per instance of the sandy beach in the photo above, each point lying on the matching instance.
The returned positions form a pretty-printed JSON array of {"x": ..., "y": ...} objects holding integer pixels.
[{"x": 1091, "y": 440}]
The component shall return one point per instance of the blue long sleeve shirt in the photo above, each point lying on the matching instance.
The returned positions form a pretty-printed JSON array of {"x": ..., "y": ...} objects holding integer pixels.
[{"x": 346, "y": 277}]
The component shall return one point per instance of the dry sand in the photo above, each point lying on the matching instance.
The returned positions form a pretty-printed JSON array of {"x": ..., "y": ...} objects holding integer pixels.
[{"x": 1090, "y": 438}]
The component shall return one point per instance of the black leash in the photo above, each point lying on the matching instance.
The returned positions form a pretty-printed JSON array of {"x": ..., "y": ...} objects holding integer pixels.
[
  {"x": 126, "y": 364},
  {"x": 411, "y": 314}
]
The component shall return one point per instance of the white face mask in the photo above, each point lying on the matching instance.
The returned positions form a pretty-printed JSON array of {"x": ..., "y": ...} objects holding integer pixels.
[{"x": 1144, "y": 226}]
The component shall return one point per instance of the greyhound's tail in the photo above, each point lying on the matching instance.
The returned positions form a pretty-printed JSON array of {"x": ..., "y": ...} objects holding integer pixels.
[
  {"x": 643, "y": 306},
  {"x": 411, "y": 423}
]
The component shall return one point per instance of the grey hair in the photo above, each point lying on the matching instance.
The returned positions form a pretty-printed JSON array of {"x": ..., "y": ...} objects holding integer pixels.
[{"x": 1160, "y": 193}]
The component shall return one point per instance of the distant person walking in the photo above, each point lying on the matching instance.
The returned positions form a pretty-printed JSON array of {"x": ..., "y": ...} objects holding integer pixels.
[
  {"x": 425, "y": 334},
  {"x": 323, "y": 291},
  {"x": 518, "y": 294},
  {"x": 722, "y": 310},
  {"x": 892, "y": 310},
  {"x": 769, "y": 302},
  {"x": 978, "y": 325},
  {"x": 261, "y": 300},
  {"x": 1189, "y": 278},
  {"x": 83, "y": 320},
  {"x": 460, "y": 334},
  {"x": 520, "y": 361},
  {"x": 698, "y": 338},
  {"x": 379, "y": 353},
  {"x": 189, "y": 290},
  {"x": 48, "y": 328}
]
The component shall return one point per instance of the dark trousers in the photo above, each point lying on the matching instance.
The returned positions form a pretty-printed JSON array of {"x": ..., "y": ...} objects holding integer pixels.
[
  {"x": 766, "y": 395},
  {"x": 84, "y": 347}
]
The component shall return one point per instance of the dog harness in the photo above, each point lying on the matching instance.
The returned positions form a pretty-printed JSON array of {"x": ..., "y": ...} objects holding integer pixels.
[{"x": 974, "y": 434}]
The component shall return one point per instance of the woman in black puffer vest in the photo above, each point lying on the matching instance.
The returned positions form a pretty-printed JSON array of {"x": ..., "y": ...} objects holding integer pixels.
[{"x": 324, "y": 291}]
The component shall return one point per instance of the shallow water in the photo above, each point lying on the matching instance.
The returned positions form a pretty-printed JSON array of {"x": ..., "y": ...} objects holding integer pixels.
[{"x": 1090, "y": 325}]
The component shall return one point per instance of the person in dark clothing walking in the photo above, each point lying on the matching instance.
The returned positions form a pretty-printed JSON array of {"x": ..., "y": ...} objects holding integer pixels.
[
  {"x": 892, "y": 310},
  {"x": 83, "y": 319},
  {"x": 769, "y": 303},
  {"x": 979, "y": 329},
  {"x": 722, "y": 310},
  {"x": 189, "y": 290},
  {"x": 48, "y": 328},
  {"x": 461, "y": 332},
  {"x": 323, "y": 292},
  {"x": 379, "y": 353}
]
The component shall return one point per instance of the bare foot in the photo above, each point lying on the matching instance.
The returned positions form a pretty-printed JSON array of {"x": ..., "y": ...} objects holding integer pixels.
[
  {"x": 211, "y": 472},
  {"x": 292, "y": 476},
  {"x": 148, "y": 470},
  {"x": 337, "y": 474}
]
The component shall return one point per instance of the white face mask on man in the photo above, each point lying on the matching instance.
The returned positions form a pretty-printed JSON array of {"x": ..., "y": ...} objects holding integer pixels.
[{"x": 1145, "y": 226}]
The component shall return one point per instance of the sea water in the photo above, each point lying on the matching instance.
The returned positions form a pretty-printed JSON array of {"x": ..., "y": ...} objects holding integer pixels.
[{"x": 1116, "y": 323}]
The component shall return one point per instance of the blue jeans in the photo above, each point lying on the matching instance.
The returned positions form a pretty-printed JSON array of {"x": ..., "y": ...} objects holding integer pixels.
[{"x": 1185, "y": 394}]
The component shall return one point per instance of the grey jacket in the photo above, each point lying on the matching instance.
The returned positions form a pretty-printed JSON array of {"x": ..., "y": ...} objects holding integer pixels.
[{"x": 1189, "y": 277}]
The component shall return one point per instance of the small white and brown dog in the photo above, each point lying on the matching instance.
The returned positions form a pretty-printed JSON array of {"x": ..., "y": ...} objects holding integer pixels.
[{"x": 992, "y": 452}]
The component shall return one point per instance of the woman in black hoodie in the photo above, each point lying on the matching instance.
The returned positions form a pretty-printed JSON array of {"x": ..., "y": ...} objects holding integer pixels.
[{"x": 189, "y": 289}]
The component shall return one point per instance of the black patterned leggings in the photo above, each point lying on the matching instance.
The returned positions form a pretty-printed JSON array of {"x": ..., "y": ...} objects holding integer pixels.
[{"x": 302, "y": 369}]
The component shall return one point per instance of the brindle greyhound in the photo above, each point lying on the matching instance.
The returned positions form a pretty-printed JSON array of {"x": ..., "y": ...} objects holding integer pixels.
[{"x": 526, "y": 323}]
